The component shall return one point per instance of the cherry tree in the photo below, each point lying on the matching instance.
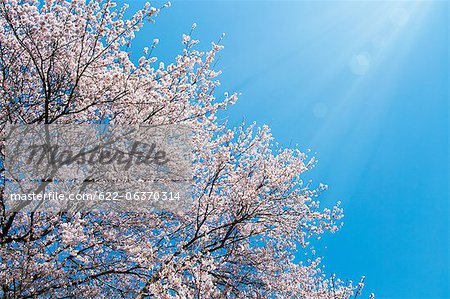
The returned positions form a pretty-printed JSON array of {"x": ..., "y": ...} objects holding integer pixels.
[{"x": 252, "y": 213}]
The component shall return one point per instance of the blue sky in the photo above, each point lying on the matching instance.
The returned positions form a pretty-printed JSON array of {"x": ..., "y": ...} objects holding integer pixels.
[{"x": 366, "y": 86}]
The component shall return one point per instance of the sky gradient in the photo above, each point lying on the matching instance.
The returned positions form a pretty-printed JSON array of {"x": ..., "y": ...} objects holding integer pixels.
[{"x": 366, "y": 86}]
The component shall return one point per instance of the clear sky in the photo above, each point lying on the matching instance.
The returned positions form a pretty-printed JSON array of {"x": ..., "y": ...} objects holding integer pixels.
[{"x": 366, "y": 86}]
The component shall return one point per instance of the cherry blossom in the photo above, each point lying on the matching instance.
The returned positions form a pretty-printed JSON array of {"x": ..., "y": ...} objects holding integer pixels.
[{"x": 252, "y": 212}]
